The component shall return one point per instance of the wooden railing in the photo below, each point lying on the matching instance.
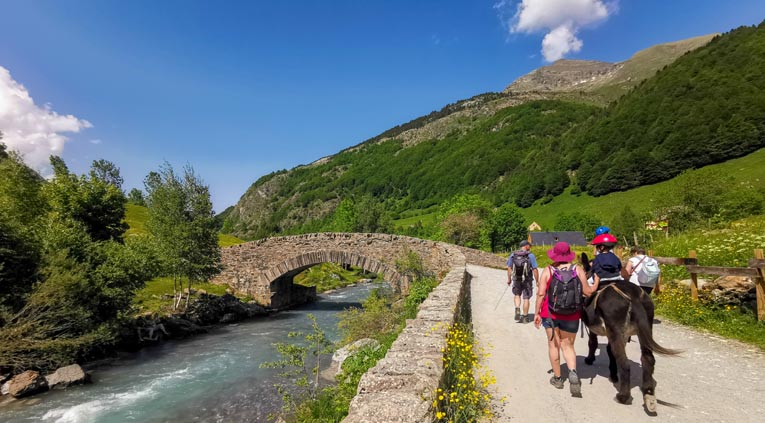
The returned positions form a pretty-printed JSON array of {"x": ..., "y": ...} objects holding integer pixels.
[{"x": 755, "y": 271}]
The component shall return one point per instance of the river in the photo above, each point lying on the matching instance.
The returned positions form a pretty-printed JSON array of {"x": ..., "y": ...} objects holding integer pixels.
[{"x": 213, "y": 377}]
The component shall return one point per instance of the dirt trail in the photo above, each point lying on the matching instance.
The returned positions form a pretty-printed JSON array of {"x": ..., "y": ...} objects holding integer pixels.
[{"x": 714, "y": 380}]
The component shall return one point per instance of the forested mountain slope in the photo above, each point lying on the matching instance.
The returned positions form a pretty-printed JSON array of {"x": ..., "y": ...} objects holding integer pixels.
[{"x": 705, "y": 107}]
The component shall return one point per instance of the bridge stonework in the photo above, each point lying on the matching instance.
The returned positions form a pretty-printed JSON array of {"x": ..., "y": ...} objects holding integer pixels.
[{"x": 265, "y": 268}]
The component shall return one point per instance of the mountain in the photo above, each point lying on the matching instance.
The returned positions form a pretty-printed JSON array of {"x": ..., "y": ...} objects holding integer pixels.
[{"x": 547, "y": 131}]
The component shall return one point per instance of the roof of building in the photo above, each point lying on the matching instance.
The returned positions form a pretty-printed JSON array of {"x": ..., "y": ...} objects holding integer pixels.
[{"x": 550, "y": 238}]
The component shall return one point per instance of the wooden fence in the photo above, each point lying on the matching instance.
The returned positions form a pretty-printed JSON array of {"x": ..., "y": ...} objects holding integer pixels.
[{"x": 755, "y": 271}]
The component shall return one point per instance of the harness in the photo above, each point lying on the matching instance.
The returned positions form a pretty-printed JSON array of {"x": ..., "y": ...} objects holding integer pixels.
[{"x": 618, "y": 291}]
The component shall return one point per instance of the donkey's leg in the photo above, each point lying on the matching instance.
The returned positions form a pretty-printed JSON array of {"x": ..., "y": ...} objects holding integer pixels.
[
  {"x": 593, "y": 344},
  {"x": 611, "y": 364},
  {"x": 617, "y": 343},
  {"x": 648, "y": 387}
]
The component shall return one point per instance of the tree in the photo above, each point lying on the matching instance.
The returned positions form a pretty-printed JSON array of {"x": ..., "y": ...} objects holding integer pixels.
[
  {"x": 577, "y": 221},
  {"x": 181, "y": 219},
  {"x": 106, "y": 171},
  {"x": 135, "y": 196},
  {"x": 506, "y": 228},
  {"x": 462, "y": 229},
  {"x": 294, "y": 368},
  {"x": 90, "y": 200}
]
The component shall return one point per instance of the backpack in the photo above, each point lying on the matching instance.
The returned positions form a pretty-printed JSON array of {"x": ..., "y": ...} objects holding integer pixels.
[
  {"x": 521, "y": 264},
  {"x": 649, "y": 272},
  {"x": 564, "y": 295}
]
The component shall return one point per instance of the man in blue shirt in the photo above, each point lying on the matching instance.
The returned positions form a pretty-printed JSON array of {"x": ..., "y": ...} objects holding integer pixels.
[{"x": 521, "y": 272}]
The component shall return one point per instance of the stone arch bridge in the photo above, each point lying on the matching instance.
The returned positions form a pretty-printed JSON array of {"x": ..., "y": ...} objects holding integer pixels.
[{"x": 265, "y": 269}]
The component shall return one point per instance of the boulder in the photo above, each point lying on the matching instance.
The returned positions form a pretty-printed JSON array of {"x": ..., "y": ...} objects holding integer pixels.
[
  {"x": 27, "y": 383},
  {"x": 5, "y": 388},
  {"x": 343, "y": 353},
  {"x": 735, "y": 283},
  {"x": 67, "y": 376}
]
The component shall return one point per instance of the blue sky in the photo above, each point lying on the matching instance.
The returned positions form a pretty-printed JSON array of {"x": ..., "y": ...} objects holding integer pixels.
[{"x": 240, "y": 89}]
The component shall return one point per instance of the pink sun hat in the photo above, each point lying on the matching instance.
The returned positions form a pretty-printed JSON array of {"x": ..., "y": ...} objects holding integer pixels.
[{"x": 561, "y": 253}]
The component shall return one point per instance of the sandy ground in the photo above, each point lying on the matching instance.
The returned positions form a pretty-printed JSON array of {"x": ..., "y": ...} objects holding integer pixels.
[{"x": 714, "y": 380}]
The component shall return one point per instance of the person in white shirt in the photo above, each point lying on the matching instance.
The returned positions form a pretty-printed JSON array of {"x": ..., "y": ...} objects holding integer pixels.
[{"x": 633, "y": 267}]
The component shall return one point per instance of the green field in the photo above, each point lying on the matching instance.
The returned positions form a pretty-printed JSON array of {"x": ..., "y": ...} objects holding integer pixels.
[
  {"x": 136, "y": 217},
  {"x": 750, "y": 168}
]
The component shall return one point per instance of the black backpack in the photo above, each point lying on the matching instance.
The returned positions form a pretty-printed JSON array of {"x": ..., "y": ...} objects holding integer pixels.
[
  {"x": 521, "y": 264},
  {"x": 564, "y": 295}
]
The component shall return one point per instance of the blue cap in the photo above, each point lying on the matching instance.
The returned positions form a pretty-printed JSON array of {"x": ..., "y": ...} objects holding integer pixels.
[{"x": 602, "y": 230}]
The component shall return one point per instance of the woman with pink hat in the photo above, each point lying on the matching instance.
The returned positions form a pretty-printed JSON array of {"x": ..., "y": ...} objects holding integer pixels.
[{"x": 558, "y": 309}]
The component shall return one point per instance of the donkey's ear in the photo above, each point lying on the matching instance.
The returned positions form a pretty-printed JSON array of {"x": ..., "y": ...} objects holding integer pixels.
[{"x": 584, "y": 259}]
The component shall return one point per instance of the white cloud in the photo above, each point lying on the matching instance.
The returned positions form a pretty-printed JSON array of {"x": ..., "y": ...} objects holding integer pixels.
[
  {"x": 34, "y": 131},
  {"x": 560, "y": 19},
  {"x": 96, "y": 141}
]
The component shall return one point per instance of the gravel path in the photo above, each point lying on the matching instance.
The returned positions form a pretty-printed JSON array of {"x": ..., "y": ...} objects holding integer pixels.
[{"x": 714, "y": 380}]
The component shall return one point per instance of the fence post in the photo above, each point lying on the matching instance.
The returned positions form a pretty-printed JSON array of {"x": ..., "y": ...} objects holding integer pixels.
[
  {"x": 657, "y": 289},
  {"x": 694, "y": 279},
  {"x": 760, "y": 287}
]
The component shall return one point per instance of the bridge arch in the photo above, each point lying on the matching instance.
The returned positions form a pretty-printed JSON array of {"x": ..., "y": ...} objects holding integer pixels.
[{"x": 281, "y": 276}]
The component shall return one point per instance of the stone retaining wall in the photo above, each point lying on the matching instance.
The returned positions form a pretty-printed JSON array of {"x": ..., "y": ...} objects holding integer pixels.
[{"x": 402, "y": 386}]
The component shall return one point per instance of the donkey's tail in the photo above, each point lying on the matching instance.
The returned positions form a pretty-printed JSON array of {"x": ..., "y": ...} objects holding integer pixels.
[{"x": 644, "y": 329}]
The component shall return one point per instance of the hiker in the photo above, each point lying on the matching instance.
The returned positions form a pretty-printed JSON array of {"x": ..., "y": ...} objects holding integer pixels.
[
  {"x": 521, "y": 267},
  {"x": 642, "y": 269},
  {"x": 558, "y": 308},
  {"x": 606, "y": 267}
]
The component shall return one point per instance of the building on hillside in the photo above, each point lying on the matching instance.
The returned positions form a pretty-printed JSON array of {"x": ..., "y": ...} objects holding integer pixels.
[
  {"x": 535, "y": 227},
  {"x": 550, "y": 238}
]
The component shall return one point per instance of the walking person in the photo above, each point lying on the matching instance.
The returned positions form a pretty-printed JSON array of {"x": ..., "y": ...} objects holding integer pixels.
[
  {"x": 558, "y": 308},
  {"x": 521, "y": 272},
  {"x": 642, "y": 269}
]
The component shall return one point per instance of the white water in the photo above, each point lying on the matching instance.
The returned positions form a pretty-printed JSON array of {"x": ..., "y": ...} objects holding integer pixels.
[{"x": 209, "y": 378}]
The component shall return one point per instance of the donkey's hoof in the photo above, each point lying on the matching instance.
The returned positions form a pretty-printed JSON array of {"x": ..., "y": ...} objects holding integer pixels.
[
  {"x": 650, "y": 403},
  {"x": 624, "y": 399},
  {"x": 589, "y": 360}
]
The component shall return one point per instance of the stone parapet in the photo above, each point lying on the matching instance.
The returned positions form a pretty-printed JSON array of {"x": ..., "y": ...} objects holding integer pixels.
[{"x": 402, "y": 386}]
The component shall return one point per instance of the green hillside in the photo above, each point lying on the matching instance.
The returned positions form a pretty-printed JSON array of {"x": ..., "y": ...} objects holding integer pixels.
[
  {"x": 136, "y": 217},
  {"x": 647, "y": 198},
  {"x": 702, "y": 109}
]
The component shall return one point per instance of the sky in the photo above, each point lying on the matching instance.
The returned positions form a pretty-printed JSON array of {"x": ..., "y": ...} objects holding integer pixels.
[{"x": 239, "y": 89}]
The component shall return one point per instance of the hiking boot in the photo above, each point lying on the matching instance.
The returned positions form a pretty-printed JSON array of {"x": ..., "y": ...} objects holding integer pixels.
[
  {"x": 517, "y": 314},
  {"x": 524, "y": 319},
  {"x": 557, "y": 381},
  {"x": 575, "y": 385}
]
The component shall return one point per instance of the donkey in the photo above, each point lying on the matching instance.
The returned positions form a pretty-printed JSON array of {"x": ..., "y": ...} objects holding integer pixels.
[{"x": 617, "y": 311}]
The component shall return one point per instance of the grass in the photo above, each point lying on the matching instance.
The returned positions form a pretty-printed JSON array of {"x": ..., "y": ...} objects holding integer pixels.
[
  {"x": 750, "y": 168},
  {"x": 426, "y": 219},
  {"x": 674, "y": 302},
  {"x": 156, "y": 295},
  {"x": 327, "y": 276}
]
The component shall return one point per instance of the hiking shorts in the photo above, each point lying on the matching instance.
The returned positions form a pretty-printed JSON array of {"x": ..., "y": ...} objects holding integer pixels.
[
  {"x": 570, "y": 326},
  {"x": 524, "y": 289}
]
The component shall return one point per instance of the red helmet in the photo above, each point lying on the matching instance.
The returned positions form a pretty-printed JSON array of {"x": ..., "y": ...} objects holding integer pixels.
[{"x": 605, "y": 239}]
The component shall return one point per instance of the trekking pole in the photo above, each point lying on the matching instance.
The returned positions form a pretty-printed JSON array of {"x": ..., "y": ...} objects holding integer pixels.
[{"x": 500, "y": 297}]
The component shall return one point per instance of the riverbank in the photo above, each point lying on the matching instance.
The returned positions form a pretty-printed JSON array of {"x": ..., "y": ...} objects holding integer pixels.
[{"x": 209, "y": 377}]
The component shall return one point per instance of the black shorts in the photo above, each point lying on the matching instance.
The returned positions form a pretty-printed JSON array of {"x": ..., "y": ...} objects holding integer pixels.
[{"x": 570, "y": 326}]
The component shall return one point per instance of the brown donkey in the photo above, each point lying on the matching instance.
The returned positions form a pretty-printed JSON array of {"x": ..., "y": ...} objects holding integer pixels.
[{"x": 617, "y": 311}]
